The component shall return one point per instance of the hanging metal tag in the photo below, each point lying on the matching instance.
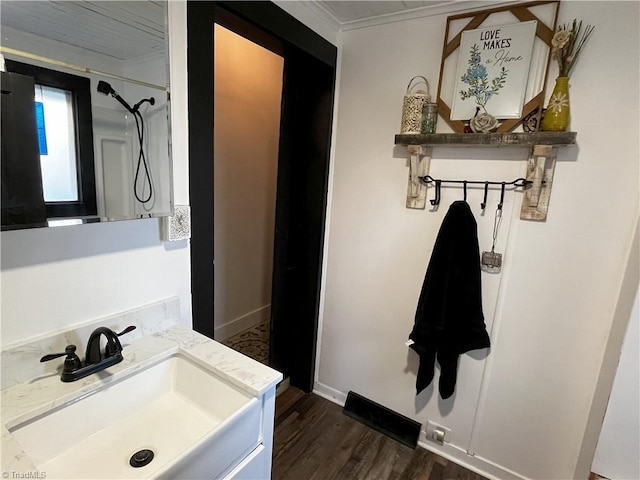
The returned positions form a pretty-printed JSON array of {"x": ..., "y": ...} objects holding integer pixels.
[{"x": 491, "y": 262}]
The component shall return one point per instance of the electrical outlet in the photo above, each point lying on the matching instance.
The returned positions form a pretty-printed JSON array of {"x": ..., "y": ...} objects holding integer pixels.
[{"x": 437, "y": 433}]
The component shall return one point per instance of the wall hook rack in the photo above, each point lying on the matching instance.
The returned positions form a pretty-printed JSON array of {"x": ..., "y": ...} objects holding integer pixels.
[
  {"x": 517, "y": 183},
  {"x": 540, "y": 163},
  {"x": 483, "y": 205}
]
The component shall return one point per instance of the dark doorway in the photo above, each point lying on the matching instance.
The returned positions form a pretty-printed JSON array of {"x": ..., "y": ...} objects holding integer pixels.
[{"x": 303, "y": 165}]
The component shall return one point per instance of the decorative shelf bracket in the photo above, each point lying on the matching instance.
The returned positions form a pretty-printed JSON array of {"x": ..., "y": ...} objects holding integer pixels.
[
  {"x": 419, "y": 163},
  {"x": 540, "y": 165},
  {"x": 540, "y": 169}
]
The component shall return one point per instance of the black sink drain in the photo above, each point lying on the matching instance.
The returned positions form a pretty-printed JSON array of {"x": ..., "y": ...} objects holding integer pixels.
[{"x": 141, "y": 458}]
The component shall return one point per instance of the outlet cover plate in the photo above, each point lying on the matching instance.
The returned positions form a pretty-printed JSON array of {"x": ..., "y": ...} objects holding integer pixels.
[
  {"x": 429, "y": 433},
  {"x": 178, "y": 226}
]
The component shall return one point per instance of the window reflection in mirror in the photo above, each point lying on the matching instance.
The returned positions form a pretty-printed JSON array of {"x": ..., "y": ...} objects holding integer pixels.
[
  {"x": 64, "y": 125},
  {"x": 55, "y": 121}
]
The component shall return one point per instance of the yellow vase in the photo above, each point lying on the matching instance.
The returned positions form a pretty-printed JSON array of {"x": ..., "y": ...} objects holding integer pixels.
[{"x": 556, "y": 118}]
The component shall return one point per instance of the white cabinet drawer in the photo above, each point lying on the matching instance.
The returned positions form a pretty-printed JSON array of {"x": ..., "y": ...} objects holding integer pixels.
[{"x": 253, "y": 467}]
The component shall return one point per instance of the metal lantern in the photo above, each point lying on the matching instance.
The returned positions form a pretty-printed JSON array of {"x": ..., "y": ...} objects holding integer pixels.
[{"x": 412, "y": 107}]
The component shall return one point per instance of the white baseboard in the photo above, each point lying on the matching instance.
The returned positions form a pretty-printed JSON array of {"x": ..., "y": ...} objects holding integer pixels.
[
  {"x": 476, "y": 464},
  {"x": 328, "y": 393},
  {"x": 282, "y": 386},
  {"x": 240, "y": 324}
]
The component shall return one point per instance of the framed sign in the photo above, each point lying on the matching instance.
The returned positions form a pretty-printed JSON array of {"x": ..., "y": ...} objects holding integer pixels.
[
  {"x": 496, "y": 60},
  {"x": 493, "y": 68}
]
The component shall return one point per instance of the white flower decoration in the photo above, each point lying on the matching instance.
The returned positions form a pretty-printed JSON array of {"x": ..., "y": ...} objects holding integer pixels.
[
  {"x": 558, "y": 100},
  {"x": 561, "y": 38},
  {"x": 484, "y": 123}
]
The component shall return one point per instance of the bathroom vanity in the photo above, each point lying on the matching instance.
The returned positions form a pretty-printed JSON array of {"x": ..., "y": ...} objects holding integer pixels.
[{"x": 179, "y": 405}]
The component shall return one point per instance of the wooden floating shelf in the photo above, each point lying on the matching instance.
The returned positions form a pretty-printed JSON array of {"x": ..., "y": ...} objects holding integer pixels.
[
  {"x": 558, "y": 139},
  {"x": 540, "y": 165}
]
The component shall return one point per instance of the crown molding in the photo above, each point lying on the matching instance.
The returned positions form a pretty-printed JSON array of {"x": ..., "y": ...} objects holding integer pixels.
[
  {"x": 455, "y": 6},
  {"x": 324, "y": 14},
  {"x": 313, "y": 16},
  {"x": 330, "y": 26}
]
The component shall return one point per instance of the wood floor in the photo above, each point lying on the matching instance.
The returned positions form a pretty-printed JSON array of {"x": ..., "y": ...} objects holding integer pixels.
[{"x": 313, "y": 440}]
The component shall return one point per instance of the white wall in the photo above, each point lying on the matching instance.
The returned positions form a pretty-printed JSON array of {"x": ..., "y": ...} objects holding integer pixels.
[
  {"x": 248, "y": 92},
  {"x": 523, "y": 411},
  {"x": 617, "y": 453},
  {"x": 58, "y": 277}
]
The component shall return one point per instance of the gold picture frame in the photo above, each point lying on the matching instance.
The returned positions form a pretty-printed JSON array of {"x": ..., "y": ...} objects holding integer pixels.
[{"x": 545, "y": 13}]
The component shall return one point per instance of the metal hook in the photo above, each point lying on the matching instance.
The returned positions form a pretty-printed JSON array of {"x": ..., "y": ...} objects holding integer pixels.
[
  {"x": 501, "y": 196},
  {"x": 464, "y": 183},
  {"x": 436, "y": 201},
  {"x": 483, "y": 205}
]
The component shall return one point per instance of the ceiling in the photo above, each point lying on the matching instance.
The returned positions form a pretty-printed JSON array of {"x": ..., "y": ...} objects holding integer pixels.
[
  {"x": 120, "y": 29},
  {"x": 126, "y": 30},
  {"x": 351, "y": 11}
]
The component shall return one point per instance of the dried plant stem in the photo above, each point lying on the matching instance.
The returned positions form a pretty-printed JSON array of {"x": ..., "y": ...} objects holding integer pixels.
[{"x": 568, "y": 54}]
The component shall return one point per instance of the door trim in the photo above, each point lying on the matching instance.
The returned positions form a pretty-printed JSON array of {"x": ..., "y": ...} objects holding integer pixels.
[{"x": 276, "y": 30}]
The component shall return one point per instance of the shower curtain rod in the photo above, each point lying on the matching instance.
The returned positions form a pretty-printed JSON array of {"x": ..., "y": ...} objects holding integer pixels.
[{"x": 78, "y": 68}]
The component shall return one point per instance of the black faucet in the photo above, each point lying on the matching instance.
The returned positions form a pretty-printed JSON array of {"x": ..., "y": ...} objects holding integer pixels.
[{"x": 95, "y": 361}]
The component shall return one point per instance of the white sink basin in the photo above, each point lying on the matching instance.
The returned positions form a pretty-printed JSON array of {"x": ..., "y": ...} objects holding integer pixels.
[{"x": 197, "y": 424}]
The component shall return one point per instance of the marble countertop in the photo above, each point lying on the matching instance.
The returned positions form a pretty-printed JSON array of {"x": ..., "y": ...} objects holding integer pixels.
[{"x": 29, "y": 399}]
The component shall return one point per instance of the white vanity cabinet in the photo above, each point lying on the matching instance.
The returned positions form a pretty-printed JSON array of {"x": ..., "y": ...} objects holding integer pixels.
[
  {"x": 204, "y": 410},
  {"x": 245, "y": 453},
  {"x": 257, "y": 464}
]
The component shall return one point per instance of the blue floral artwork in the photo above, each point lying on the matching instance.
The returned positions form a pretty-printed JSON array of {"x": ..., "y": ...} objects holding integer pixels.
[
  {"x": 492, "y": 72},
  {"x": 476, "y": 77}
]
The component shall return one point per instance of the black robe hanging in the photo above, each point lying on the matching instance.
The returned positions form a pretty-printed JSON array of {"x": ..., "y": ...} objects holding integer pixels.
[{"x": 449, "y": 319}]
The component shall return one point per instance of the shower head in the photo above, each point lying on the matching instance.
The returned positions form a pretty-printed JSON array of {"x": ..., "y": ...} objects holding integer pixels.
[{"x": 106, "y": 89}]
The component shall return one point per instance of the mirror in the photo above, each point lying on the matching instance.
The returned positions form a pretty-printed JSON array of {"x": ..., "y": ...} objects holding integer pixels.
[{"x": 95, "y": 123}]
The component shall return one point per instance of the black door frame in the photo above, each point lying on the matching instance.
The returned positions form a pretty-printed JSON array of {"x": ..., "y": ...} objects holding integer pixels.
[{"x": 303, "y": 168}]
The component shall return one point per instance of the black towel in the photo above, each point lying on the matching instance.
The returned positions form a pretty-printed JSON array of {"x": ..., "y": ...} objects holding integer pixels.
[{"x": 449, "y": 319}]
